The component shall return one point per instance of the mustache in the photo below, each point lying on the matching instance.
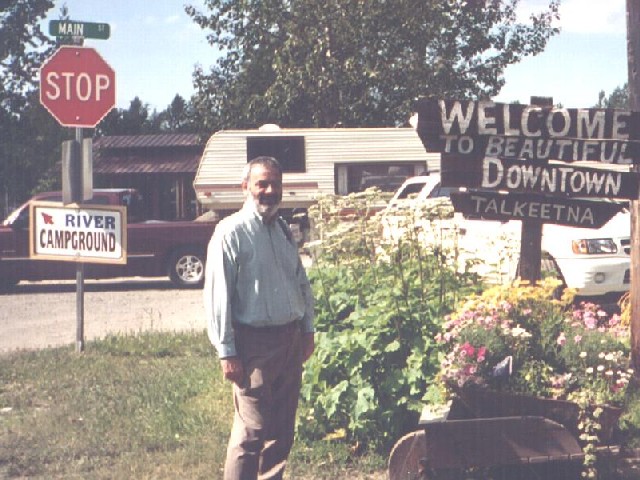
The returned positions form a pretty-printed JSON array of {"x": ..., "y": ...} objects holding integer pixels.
[{"x": 269, "y": 198}]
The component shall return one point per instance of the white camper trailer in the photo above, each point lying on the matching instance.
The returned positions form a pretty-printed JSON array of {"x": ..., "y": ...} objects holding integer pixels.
[{"x": 315, "y": 160}]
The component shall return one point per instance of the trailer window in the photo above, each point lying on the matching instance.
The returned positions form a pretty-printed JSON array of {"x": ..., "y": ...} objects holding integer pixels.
[
  {"x": 289, "y": 151},
  {"x": 388, "y": 177}
]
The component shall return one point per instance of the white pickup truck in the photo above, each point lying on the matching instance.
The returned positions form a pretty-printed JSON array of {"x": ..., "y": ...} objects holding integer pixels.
[{"x": 592, "y": 261}]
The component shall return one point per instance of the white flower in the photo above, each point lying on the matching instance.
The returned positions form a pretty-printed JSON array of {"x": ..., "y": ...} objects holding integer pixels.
[
  {"x": 520, "y": 332},
  {"x": 583, "y": 354}
]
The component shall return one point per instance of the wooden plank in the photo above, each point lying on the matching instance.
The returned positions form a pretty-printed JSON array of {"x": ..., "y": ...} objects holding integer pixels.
[
  {"x": 516, "y": 206},
  {"x": 498, "y": 441},
  {"x": 529, "y": 132},
  {"x": 557, "y": 179}
]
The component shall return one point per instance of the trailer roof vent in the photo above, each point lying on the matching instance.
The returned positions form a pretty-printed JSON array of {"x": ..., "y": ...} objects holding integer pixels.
[{"x": 269, "y": 127}]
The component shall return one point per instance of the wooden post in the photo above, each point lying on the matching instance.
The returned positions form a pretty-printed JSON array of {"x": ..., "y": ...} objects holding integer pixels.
[
  {"x": 633, "y": 53},
  {"x": 531, "y": 232}
]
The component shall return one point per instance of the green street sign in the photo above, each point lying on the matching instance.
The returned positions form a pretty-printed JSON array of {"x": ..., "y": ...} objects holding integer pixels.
[{"x": 72, "y": 28}]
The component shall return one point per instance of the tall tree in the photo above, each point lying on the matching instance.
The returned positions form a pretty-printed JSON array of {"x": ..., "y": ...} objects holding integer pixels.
[
  {"x": 135, "y": 120},
  {"x": 29, "y": 137},
  {"x": 349, "y": 62},
  {"x": 23, "y": 48},
  {"x": 619, "y": 98},
  {"x": 177, "y": 117}
]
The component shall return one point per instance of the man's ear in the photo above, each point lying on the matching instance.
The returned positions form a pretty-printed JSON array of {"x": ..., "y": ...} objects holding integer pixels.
[{"x": 245, "y": 187}]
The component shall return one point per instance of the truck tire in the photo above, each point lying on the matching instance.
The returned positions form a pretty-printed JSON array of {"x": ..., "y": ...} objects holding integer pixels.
[{"x": 186, "y": 267}]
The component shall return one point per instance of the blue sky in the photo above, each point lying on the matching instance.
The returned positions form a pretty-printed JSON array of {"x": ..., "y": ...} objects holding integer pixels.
[{"x": 154, "y": 47}]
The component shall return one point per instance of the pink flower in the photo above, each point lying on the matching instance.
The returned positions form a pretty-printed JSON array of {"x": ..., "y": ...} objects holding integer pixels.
[
  {"x": 590, "y": 320},
  {"x": 561, "y": 339},
  {"x": 482, "y": 351},
  {"x": 467, "y": 349},
  {"x": 577, "y": 338}
]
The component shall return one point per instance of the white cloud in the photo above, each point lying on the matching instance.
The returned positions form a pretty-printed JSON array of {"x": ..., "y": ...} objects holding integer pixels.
[
  {"x": 583, "y": 16},
  {"x": 172, "y": 19},
  {"x": 593, "y": 16}
]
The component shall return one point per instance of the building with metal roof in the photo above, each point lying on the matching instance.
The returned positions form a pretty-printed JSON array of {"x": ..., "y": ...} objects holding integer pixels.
[{"x": 160, "y": 166}]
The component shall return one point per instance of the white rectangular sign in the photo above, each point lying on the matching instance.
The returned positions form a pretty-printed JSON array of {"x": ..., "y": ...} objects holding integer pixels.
[{"x": 78, "y": 233}]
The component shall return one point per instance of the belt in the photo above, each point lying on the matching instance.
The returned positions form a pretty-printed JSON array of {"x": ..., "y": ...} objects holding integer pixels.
[{"x": 274, "y": 329}]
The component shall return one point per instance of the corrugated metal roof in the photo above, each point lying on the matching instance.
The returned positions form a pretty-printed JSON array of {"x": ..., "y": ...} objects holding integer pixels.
[
  {"x": 171, "y": 161},
  {"x": 161, "y": 140},
  {"x": 137, "y": 154}
]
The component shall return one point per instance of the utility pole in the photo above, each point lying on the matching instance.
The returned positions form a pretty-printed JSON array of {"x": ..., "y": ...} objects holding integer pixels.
[{"x": 633, "y": 53}]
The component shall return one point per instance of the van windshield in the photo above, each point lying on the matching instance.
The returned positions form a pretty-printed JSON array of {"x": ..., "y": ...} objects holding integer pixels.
[{"x": 411, "y": 189}]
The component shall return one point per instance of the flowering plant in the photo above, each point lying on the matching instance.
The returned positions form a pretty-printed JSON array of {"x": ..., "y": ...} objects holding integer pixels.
[{"x": 520, "y": 339}]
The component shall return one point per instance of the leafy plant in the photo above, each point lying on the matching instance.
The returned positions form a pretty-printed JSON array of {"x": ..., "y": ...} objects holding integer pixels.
[{"x": 378, "y": 308}]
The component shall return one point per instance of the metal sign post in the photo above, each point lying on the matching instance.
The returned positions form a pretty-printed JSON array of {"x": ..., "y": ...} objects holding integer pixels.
[
  {"x": 77, "y": 198},
  {"x": 78, "y": 88}
]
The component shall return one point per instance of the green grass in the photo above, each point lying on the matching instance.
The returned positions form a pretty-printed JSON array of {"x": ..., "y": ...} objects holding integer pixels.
[{"x": 146, "y": 406}]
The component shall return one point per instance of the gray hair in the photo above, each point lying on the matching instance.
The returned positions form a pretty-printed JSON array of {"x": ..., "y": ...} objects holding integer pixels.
[{"x": 267, "y": 162}]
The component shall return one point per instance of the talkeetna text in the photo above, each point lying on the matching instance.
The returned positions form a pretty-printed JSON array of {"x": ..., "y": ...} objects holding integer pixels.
[{"x": 494, "y": 206}]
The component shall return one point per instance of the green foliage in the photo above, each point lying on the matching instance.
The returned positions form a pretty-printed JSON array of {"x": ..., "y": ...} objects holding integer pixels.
[
  {"x": 377, "y": 313},
  {"x": 619, "y": 98},
  {"x": 30, "y": 137},
  {"x": 23, "y": 47},
  {"x": 325, "y": 63}
]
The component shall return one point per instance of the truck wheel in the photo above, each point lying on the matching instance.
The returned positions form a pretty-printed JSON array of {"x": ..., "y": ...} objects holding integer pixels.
[{"x": 186, "y": 268}]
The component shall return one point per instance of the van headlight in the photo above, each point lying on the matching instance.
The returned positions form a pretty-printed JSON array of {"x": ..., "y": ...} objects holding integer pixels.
[{"x": 594, "y": 246}]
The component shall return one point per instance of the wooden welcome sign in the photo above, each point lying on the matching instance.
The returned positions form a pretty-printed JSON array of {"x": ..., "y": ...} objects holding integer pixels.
[
  {"x": 529, "y": 132},
  {"x": 555, "y": 179},
  {"x": 526, "y": 152}
]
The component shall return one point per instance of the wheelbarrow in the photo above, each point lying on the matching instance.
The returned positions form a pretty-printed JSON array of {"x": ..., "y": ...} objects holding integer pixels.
[{"x": 512, "y": 436}]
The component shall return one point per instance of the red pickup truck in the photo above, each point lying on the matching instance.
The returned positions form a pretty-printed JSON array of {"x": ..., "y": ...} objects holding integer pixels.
[{"x": 176, "y": 249}]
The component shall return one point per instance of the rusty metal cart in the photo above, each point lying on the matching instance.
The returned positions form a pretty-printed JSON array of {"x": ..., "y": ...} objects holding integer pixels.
[{"x": 514, "y": 436}]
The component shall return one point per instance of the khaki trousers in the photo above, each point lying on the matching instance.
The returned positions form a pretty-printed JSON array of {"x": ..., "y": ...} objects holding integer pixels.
[{"x": 265, "y": 404}]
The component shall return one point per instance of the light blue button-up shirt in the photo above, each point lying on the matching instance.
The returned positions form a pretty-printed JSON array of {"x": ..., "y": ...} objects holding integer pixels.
[{"x": 254, "y": 276}]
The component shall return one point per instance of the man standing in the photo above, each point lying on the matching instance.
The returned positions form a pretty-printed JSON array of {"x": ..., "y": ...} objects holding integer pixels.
[{"x": 259, "y": 309}]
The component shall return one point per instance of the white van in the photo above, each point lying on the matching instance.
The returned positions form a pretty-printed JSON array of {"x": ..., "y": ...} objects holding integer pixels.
[{"x": 592, "y": 261}]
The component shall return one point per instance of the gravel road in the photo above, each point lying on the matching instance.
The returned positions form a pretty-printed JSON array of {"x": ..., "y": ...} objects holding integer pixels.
[{"x": 43, "y": 314}]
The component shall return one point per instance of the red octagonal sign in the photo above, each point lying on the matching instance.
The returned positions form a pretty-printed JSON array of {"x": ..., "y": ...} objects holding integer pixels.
[{"x": 77, "y": 86}]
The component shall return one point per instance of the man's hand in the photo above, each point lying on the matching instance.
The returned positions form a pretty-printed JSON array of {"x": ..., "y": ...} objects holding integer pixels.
[
  {"x": 308, "y": 346},
  {"x": 232, "y": 369}
]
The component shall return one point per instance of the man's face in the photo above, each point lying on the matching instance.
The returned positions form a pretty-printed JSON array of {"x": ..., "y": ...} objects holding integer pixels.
[{"x": 265, "y": 189}]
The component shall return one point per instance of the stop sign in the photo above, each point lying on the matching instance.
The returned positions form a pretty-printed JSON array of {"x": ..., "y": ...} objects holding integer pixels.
[{"x": 77, "y": 86}]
